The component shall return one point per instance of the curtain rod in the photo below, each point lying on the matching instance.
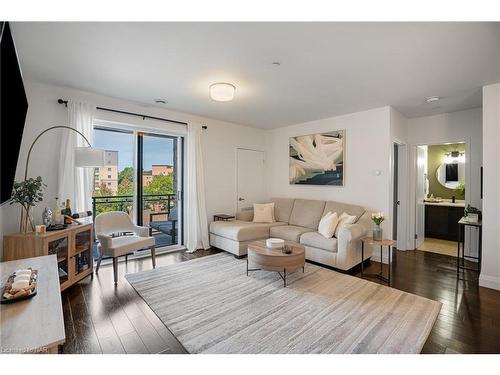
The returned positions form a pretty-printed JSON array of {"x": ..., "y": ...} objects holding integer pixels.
[{"x": 65, "y": 102}]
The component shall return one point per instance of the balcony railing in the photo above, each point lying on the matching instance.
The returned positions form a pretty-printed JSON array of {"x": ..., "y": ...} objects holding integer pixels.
[{"x": 151, "y": 203}]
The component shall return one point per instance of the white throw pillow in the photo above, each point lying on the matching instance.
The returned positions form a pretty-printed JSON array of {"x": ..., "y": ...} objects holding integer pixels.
[
  {"x": 328, "y": 224},
  {"x": 263, "y": 213},
  {"x": 344, "y": 219}
]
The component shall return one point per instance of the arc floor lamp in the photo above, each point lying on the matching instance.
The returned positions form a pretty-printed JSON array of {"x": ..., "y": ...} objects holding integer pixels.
[{"x": 85, "y": 157}]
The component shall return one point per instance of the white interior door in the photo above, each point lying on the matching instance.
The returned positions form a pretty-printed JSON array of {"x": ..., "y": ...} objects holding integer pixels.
[
  {"x": 420, "y": 194},
  {"x": 250, "y": 178}
]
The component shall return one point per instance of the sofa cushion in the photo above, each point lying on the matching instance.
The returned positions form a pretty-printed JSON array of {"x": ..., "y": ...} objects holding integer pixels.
[
  {"x": 288, "y": 232},
  {"x": 282, "y": 208},
  {"x": 307, "y": 213},
  {"x": 239, "y": 230},
  {"x": 340, "y": 208},
  {"x": 315, "y": 239}
]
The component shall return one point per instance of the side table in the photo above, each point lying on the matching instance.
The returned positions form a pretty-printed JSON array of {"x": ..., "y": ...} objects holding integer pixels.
[
  {"x": 382, "y": 243},
  {"x": 462, "y": 223},
  {"x": 223, "y": 217}
]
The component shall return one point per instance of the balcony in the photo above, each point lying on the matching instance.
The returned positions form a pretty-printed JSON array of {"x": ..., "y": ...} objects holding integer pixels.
[{"x": 157, "y": 210}]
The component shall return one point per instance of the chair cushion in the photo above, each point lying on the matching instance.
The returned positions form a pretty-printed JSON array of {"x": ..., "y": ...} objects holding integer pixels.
[
  {"x": 288, "y": 232},
  {"x": 315, "y": 239},
  {"x": 307, "y": 213},
  {"x": 340, "y": 208},
  {"x": 282, "y": 208},
  {"x": 126, "y": 244},
  {"x": 239, "y": 230}
]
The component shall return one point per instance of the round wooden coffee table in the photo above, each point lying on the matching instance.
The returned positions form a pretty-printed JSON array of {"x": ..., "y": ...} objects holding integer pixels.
[{"x": 275, "y": 260}]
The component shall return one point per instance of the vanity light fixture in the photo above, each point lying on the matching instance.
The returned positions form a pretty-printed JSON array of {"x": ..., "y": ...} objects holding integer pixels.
[
  {"x": 222, "y": 92},
  {"x": 454, "y": 157}
]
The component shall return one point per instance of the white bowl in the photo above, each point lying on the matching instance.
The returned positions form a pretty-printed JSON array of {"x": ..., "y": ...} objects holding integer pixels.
[{"x": 275, "y": 243}]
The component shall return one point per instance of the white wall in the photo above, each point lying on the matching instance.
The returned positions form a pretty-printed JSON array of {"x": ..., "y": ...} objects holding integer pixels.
[
  {"x": 368, "y": 146},
  {"x": 449, "y": 127},
  {"x": 490, "y": 273},
  {"x": 220, "y": 141}
]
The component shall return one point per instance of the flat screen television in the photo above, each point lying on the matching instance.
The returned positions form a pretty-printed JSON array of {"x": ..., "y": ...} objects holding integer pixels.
[{"x": 13, "y": 109}]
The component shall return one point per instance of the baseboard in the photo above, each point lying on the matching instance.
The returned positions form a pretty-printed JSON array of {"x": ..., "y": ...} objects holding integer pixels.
[{"x": 489, "y": 281}]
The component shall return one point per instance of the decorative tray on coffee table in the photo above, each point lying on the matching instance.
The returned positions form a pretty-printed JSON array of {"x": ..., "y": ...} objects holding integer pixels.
[{"x": 10, "y": 296}]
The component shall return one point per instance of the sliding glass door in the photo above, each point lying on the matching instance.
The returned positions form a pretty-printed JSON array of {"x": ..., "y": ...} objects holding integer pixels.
[
  {"x": 142, "y": 177},
  {"x": 160, "y": 175}
]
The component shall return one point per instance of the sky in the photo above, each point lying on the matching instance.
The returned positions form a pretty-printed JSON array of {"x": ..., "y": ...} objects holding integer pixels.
[{"x": 157, "y": 150}]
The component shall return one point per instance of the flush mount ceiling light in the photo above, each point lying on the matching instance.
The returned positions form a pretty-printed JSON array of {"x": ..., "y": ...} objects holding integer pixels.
[
  {"x": 432, "y": 99},
  {"x": 222, "y": 92}
]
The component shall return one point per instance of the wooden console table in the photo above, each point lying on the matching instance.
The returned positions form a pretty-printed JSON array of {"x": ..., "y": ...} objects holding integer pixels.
[
  {"x": 72, "y": 246},
  {"x": 35, "y": 325}
]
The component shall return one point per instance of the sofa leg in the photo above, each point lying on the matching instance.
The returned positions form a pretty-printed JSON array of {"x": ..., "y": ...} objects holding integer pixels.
[
  {"x": 240, "y": 256},
  {"x": 115, "y": 270},
  {"x": 153, "y": 256}
]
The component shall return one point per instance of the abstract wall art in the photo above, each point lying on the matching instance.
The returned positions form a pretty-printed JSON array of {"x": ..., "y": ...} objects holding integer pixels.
[{"x": 317, "y": 159}]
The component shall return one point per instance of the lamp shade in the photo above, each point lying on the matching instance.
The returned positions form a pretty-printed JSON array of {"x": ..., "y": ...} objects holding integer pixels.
[{"x": 88, "y": 157}]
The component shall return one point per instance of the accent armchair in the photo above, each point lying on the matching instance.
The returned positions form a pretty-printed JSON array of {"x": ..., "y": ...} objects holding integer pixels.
[{"x": 119, "y": 236}]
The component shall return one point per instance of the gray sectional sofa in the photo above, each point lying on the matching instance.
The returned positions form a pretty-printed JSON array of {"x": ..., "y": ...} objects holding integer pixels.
[{"x": 297, "y": 220}]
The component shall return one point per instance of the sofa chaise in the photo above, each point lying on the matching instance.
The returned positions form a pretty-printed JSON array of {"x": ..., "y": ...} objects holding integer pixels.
[{"x": 297, "y": 220}]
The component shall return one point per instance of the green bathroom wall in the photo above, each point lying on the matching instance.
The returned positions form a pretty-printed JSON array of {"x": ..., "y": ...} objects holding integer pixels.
[{"x": 435, "y": 157}]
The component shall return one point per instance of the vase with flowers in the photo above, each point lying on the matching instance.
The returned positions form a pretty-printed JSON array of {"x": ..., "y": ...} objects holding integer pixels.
[
  {"x": 377, "y": 218},
  {"x": 27, "y": 193}
]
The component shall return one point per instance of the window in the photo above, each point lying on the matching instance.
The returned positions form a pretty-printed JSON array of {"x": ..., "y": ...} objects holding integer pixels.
[
  {"x": 109, "y": 176},
  {"x": 109, "y": 183},
  {"x": 109, "y": 169}
]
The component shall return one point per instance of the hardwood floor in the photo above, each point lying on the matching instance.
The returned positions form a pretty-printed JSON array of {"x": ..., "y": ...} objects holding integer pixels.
[{"x": 102, "y": 318}]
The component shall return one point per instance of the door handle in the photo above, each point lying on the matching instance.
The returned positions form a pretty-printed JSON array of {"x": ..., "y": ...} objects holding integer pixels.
[
  {"x": 398, "y": 203},
  {"x": 241, "y": 199}
]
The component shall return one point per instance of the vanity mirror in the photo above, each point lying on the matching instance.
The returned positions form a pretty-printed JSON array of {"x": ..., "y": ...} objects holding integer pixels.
[{"x": 449, "y": 175}]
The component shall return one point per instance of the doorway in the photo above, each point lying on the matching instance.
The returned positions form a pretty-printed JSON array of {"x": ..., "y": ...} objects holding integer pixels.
[
  {"x": 440, "y": 196},
  {"x": 250, "y": 177},
  {"x": 143, "y": 177}
]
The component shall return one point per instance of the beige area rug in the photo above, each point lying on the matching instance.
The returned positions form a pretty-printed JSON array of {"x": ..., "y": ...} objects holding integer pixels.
[{"x": 211, "y": 306}]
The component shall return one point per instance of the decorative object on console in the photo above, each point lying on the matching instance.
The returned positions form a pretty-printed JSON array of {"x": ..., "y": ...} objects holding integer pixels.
[
  {"x": 317, "y": 159},
  {"x": 275, "y": 243},
  {"x": 469, "y": 210},
  {"x": 19, "y": 286},
  {"x": 377, "y": 218},
  {"x": 47, "y": 216},
  {"x": 27, "y": 193}
]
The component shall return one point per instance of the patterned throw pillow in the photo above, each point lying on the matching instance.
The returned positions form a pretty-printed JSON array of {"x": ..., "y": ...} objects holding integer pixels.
[{"x": 263, "y": 213}]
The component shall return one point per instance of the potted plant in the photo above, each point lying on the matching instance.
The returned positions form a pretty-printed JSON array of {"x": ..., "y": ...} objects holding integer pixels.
[
  {"x": 377, "y": 218},
  {"x": 27, "y": 193},
  {"x": 460, "y": 189}
]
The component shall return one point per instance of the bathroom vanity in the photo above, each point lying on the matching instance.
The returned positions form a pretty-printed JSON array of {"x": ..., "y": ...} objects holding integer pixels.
[{"x": 441, "y": 219}]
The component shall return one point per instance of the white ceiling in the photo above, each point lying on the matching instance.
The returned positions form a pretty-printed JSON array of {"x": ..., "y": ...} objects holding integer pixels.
[{"x": 327, "y": 69}]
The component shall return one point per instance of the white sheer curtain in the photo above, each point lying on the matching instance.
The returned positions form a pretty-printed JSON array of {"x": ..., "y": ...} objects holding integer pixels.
[
  {"x": 76, "y": 183},
  {"x": 196, "y": 220}
]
